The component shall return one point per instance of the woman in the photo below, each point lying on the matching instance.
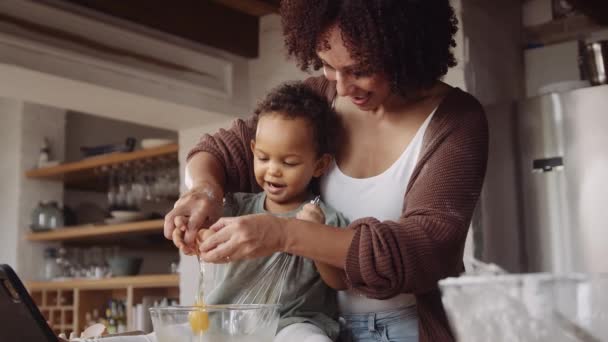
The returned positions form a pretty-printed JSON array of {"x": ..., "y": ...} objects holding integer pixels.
[{"x": 408, "y": 172}]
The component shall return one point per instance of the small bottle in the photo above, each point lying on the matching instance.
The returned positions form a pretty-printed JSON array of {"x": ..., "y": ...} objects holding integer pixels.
[
  {"x": 121, "y": 321},
  {"x": 63, "y": 263},
  {"x": 96, "y": 316},
  {"x": 111, "y": 326},
  {"x": 88, "y": 318},
  {"x": 45, "y": 153}
]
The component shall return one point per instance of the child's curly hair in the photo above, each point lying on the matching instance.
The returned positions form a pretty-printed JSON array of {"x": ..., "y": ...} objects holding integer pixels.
[
  {"x": 297, "y": 100},
  {"x": 409, "y": 41}
]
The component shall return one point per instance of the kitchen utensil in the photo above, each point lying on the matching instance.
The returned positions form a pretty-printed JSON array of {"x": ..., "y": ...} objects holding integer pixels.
[
  {"x": 90, "y": 151},
  {"x": 595, "y": 61},
  {"x": 227, "y": 323}
]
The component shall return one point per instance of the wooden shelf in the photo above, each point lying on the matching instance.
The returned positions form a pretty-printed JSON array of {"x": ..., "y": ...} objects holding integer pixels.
[
  {"x": 85, "y": 174},
  {"x": 143, "y": 281},
  {"x": 90, "y": 232},
  {"x": 560, "y": 30}
]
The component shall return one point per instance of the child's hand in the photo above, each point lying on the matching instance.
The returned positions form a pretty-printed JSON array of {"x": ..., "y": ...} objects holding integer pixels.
[{"x": 311, "y": 212}]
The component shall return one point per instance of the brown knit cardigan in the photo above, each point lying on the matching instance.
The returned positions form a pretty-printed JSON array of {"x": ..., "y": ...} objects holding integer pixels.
[{"x": 426, "y": 244}]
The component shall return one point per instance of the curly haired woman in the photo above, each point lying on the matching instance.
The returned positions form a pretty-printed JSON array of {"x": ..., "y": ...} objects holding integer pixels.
[{"x": 408, "y": 171}]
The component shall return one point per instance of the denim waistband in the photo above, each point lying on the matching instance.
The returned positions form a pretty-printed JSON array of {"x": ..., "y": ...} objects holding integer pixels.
[{"x": 373, "y": 319}]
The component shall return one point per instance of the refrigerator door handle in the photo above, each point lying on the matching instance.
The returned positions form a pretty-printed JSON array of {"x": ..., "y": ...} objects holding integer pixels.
[{"x": 547, "y": 165}]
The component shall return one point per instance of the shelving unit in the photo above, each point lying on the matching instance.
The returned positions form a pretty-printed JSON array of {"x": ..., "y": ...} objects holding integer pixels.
[
  {"x": 114, "y": 283},
  {"x": 85, "y": 174},
  {"x": 96, "y": 232},
  {"x": 560, "y": 30},
  {"x": 65, "y": 302}
]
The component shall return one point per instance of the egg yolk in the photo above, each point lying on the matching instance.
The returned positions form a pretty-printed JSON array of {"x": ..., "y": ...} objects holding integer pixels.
[{"x": 199, "y": 320}]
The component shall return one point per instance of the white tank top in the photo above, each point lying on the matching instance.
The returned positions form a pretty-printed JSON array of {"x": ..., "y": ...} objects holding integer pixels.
[{"x": 380, "y": 197}]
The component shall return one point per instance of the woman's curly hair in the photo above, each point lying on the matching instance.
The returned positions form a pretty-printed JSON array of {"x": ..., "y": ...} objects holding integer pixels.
[
  {"x": 409, "y": 41},
  {"x": 298, "y": 100}
]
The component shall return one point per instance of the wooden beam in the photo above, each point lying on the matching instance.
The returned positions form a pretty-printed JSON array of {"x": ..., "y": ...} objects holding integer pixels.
[
  {"x": 142, "y": 281},
  {"x": 92, "y": 232},
  {"x": 256, "y": 8}
]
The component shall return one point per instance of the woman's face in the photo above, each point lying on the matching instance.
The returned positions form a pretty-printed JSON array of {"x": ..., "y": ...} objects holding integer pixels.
[{"x": 366, "y": 91}]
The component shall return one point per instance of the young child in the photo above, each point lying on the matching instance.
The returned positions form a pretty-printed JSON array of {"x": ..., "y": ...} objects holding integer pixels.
[{"x": 293, "y": 147}]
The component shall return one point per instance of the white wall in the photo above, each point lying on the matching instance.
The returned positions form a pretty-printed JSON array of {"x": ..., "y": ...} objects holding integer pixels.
[
  {"x": 455, "y": 76},
  {"x": 10, "y": 145},
  {"x": 38, "y": 122},
  {"x": 271, "y": 67},
  {"x": 21, "y": 132},
  {"x": 494, "y": 65},
  {"x": 550, "y": 64},
  {"x": 493, "y": 73},
  {"x": 554, "y": 63},
  {"x": 90, "y": 130}
]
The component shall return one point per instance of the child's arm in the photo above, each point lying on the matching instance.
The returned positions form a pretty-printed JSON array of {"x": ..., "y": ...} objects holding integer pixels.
[{"x": 332, "y": 276}]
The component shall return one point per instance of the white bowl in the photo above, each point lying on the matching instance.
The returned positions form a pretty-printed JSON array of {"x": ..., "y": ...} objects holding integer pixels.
[
  {"x": 226, "y": 323},
  {"x": 152, "y": 143},
  {"x": 126, "y": 215}
]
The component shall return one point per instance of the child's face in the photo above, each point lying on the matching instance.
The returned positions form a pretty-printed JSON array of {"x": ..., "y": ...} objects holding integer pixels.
[{"x": 285, "y": 159}]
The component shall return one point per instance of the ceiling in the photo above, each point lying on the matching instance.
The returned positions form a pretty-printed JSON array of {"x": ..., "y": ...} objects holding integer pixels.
[{"x": 230, "y": 25}]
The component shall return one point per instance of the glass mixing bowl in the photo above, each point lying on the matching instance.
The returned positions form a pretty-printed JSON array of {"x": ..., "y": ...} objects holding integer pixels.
[
  {"x": 223, "y": 323},
  {"x": 527, "y": 307}
]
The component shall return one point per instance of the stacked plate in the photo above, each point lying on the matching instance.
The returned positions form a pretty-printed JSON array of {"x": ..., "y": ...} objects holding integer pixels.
[{"x": 124, "y": 216}]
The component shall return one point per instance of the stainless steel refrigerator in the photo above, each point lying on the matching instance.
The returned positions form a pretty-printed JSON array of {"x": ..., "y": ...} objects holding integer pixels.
[{"x": 544, "y": 206}]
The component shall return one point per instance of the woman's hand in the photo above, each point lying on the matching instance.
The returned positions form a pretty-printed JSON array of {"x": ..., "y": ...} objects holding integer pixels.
[
  {"x": 181, "y": 223},
  {"x": 243, "y": 237},
  {"x": 198, "y": 208}
]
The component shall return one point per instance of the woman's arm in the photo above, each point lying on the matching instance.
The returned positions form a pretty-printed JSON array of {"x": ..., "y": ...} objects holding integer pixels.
[
  {"x": 216, "y": 163},
  {"x": 426, "y": 244},
  {"x": 252, "y": 236}
]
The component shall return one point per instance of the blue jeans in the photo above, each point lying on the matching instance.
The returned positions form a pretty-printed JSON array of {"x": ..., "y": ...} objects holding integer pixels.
[{"x": 399, "y": 325}]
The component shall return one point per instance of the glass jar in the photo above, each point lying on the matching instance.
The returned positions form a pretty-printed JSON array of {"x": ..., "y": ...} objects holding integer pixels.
[
  {"x": 47, "y": 215},
  {"x": 54, "y": 216},
  {"x": 39, "y": 217},
  {"x": 51, "y": 268}
]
